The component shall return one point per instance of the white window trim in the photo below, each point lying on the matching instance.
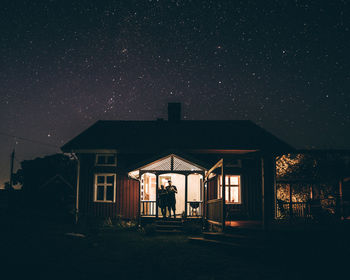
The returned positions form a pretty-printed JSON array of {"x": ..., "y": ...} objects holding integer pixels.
[
  {"x": 105, "y": 164},
  {"x": 105, "y": 184},
  {"x": 239, "y": 188}
]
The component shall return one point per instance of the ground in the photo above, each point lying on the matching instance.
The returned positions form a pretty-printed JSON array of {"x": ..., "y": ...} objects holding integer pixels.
[{"x": 37, "y": 248}]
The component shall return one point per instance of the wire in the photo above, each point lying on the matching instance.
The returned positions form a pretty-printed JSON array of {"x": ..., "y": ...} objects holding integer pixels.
[{"x": 30, "y": 140}]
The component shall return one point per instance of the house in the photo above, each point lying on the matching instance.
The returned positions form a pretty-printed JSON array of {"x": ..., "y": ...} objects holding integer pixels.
[{"x": 121, "y": 164}]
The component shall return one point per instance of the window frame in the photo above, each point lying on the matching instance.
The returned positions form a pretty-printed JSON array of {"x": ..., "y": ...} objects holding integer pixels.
[
  {"x": 105, "y": 185},
  {"x": 228, "y": 188},
  {"x": 105, "y": 161}
]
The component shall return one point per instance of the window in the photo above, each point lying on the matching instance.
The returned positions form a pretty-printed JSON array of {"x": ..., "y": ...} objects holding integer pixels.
[
  {"x": 232, "y": 188},
  {"x": 104, "y": 188},
  {"x": 105, "y": 159}
]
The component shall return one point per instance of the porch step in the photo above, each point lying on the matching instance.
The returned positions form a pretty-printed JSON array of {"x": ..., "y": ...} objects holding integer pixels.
[
  {"x": 168, "y": 222},
  {"x": 169, "y": 226}
]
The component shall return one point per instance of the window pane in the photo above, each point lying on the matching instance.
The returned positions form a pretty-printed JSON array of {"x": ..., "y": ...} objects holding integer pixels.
[
  {"x": 232, "y": 198},
  {"x": 110, "y": 179},
  {"x": 100, "y": 179},
  {"x": 235, "y": 194},
  {"x": 234, "y": 181},
  {"x": 220, "y": 192},
  {"x": 100, "y": 159},
  {"x": 226, "y": 180},
  {"x": 110, "y": 193},
  {"x": 100, "y": 191},
  {"x": 110, "y": 159}
]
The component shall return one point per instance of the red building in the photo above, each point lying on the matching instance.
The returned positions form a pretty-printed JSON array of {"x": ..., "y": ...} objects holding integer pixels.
[{"x": 123, "y": 163}]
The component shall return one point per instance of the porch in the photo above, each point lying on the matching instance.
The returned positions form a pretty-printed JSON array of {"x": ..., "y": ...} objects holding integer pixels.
[{"x": 186, "y": 175}]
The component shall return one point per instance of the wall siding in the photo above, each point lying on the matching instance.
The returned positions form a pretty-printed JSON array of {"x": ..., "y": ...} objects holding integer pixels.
[
  {"x": 251, "y": 206},
  {"x": 127, "y": 192}
]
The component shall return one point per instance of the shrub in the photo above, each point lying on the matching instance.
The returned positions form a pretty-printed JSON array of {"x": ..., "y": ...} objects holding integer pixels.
[{"x": 127, "y": 225}]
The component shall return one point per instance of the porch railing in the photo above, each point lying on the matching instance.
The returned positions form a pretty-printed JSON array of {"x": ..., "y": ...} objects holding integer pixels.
[
  {"x": 316, "y": 209},
  {"x": 299, "y": 209},
  {"x": 214, "y": 208},
  {"x": 148, "y": 208},
  {"x": 194, "y": 208}
]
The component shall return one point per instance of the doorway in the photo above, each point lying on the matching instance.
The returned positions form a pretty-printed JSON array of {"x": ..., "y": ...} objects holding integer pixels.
[{"x": 177, "y": 180}]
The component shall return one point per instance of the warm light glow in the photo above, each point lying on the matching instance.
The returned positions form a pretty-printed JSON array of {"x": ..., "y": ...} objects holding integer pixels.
[{"x": 232, "y": 188}]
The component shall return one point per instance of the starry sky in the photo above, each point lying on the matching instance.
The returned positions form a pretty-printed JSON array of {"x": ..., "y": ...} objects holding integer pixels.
[{"x": 66, "y": 64}]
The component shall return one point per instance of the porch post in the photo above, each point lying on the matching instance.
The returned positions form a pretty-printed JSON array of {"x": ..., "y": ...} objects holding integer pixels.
[
  {"x": 186, "y": 197},
  {"x": 290, "y": 201},
  {"x": 157, "y": 195},
  {"x": 206, "y": 197},
  {"x": 223, "y": 175},
  {"x": 77, "y": 191},
  {"x": 268, "y": 188}
]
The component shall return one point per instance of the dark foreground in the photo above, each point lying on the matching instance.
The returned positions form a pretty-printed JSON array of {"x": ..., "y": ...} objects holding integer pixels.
[{"x": 40, "y": 249}]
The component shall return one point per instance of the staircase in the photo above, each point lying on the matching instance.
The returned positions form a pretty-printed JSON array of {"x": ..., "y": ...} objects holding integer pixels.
[{"x": 171, "y": 226}]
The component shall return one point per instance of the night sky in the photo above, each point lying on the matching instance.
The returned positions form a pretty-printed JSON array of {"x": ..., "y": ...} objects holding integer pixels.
[{"x": 66, "y": 64}]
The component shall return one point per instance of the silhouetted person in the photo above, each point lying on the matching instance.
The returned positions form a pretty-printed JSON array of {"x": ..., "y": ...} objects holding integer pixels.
[
  {"x": 162, "y": 200},
  {"x": 171, "y": 191}
]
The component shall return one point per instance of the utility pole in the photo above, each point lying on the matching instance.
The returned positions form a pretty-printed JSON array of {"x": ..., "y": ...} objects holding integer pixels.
[{"x": 11, "y": 169}]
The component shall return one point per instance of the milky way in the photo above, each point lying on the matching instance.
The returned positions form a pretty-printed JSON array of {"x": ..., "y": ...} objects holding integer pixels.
[{"x": 66, "y": 64}]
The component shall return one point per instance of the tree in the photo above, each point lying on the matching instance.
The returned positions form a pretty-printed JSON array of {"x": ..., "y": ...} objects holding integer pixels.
[{"x": 35, "y": 173}]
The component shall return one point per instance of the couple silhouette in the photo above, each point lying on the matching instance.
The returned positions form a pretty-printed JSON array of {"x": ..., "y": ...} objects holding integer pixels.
[{"x": 167, "y": 199}]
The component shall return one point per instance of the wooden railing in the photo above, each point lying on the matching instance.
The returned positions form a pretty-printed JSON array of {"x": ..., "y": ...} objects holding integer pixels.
[
  {"x": 148, "y": 208},
  {"x": 214, "y": 210},
  {"x": 299, "y": 210},
  {"x": 194, "y": 208}
]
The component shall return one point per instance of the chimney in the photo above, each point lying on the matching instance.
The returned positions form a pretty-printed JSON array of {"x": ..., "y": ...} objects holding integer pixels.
[{"x": 174, "y": 112}]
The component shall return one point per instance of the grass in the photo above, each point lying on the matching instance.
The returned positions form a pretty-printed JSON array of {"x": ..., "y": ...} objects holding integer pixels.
[{"x": 34, "y": 248}]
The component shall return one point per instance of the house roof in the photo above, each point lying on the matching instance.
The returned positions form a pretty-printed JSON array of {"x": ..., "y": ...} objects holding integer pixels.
[{"x": 184, "y": 135}]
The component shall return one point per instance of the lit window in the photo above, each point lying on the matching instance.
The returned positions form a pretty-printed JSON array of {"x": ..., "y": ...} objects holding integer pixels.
[
  {"x": 104, "y": 188},
  {"x": 105, "y": 159},
  {"x": 232, "y": 188}
]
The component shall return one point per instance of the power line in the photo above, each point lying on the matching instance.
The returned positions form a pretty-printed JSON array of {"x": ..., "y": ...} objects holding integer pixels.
[{"x": 29, "y": 140}]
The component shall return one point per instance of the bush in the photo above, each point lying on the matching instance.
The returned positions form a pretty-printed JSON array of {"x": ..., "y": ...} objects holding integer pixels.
[{"x": 127, "y": 225}]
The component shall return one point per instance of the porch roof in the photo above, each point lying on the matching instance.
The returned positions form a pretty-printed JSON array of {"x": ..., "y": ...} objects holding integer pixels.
[{"x": 170, "y": 163}]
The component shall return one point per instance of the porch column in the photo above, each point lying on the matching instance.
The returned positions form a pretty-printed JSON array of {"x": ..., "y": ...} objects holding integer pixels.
[
  {"x": 290, "y": 201},
  {"x": 157, "y": 195},
  {"x": 186, "y": 195},
  {"x": 77, "y": 191},
  {"x": 223, "y": 175},
  {"x": 268, "y": 189}
]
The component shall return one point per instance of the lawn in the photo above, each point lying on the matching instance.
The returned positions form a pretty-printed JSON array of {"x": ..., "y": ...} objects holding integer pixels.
[{"x": 31, "y": 248}]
